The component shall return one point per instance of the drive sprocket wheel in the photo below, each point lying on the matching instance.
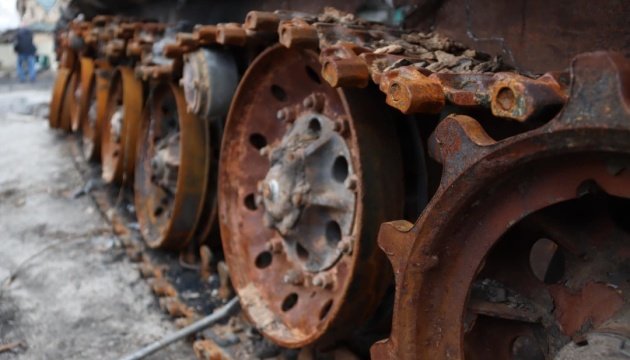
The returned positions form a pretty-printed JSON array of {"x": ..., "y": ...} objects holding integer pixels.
[
  {"x": 172, "y": 169},
  {"x": 121, "y": 126},
  {"x": 306, "y": 174},
  {"x": 93, "y": 108},
  {"x": 523, "y": 251}
]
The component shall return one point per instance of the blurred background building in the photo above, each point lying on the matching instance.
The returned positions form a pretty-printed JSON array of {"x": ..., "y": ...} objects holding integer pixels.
[{"x": 40, "y": 16}]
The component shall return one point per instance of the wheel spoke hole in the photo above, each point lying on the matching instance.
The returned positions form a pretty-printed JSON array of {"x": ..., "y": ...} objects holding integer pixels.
[
  {"x": 278, "y": 93},
  {"x": 289, "y": 302},
  {"x": 258, "y": 141},
  {"x": 340, "y": 169},
  {"x": 158, "y": 211},
  {"x": 302, "y": 253},
  {"x": 546, "y": 261},
  {"x": 315, "y": 126},
  {"x": 250, "y": 202},
  {"x": 325, "y": 309},
  {"x": 312, "y": 74},
  {"x": 263, "y": 260},
  {"x": 333, "y": 233}
]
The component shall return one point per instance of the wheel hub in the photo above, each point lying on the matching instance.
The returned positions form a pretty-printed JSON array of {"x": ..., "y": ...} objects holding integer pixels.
[
  {"x": 165, "y": 163},
  {"x": 116, "y": 122},
  {"x": 304, "y": 194}
]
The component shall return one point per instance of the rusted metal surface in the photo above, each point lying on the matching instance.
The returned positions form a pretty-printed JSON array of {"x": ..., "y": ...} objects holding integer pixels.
[
  {"x": 299, "y": 198},
  {"x": 463, "y": 278},
  {"x": 308, "y": 172},
  {"x": 56, "y": 103},
  {"x": 172, "y": 170},
  {"x": 121, "y": 125},
  {"x": 69, "y": 102},
  {"x": 507, "y": 94},
  {"x": 535, "y": 35},
  {"x": 94, "y": 108},
  {"x": 84, "y": 95}
]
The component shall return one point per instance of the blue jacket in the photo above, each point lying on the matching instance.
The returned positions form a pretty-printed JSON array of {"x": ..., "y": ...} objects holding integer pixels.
[{"x": 24, "y": 42}]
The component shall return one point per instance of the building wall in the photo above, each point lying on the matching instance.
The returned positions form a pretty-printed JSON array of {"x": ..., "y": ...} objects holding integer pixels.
[{"x": 40, "y": 11}]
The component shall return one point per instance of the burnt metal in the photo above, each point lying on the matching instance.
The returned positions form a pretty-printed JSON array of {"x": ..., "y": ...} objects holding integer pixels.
[
  {"x": 120, "y": 127},
  {"x": 94, "y": 107},
  {"x": 316, "y": 153},
  {"x": 209, "y": 80},
  {"x": 56, "y": 104},
  {"x": 69, "y": 104},
  {"x": 487, "y": 187},
  {"x": 172, "y": 170},
  {"x": 534, "y": 36}
]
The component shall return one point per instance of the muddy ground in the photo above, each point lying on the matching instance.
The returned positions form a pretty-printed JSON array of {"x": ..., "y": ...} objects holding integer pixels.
[{"x": 67, "y": 290}]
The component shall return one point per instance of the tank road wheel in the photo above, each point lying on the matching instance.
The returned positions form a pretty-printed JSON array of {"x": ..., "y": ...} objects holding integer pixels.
[
  {"x": 121, "y": 126},
  {"x": 209, "y": 80},
  {"x": 68, "y": 105},
  {"x": 93, "y": 107},
  {"x": 307, "y": 172},
  {"x": 56, "y": 103},
  {"x": 85, "y": 95},
  {"x": 77, "y": 93},
  {"x": 172, "y": 169},
  {"x": 523, "y": 252}
]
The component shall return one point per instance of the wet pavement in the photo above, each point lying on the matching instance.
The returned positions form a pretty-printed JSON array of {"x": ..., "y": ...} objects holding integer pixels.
[{"x": 67, "y": 290}]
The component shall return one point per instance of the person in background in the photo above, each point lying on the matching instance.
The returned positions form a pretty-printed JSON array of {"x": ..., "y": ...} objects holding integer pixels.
[{"x": 25, "y": 50}]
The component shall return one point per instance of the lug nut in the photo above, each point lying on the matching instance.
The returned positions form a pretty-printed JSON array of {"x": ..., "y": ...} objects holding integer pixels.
[
  {"x": 323, "y": 280},
  {"x": 275, "y": 245},
  {"x": 351, "y": 182},
  {"x": 314, "y": 102},
  {"x": 294, "y": 277},
  {"x": 346, "y": 245},
  {"x": 286, "y": 114}
]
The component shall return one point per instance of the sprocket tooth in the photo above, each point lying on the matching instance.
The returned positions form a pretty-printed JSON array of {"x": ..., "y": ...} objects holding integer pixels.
[
  {"x": 602, "y": 80},
  {"x": 458, "y": 142},
  {"x": 395, "y": 240}
]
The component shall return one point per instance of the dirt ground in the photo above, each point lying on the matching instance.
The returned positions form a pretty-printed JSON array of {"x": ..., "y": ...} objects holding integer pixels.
[{"x": 67, "y": 291}]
